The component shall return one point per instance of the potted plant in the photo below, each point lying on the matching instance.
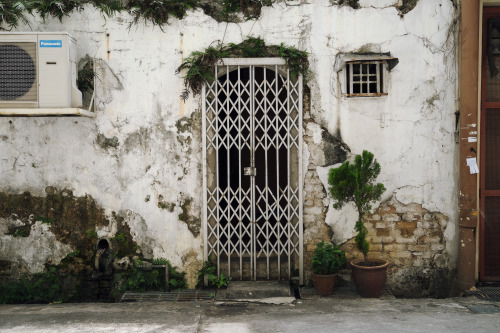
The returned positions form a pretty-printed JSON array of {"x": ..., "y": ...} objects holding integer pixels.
[
  {"x": 326, "y": 262},
  {"x": 356, "y": 183}
]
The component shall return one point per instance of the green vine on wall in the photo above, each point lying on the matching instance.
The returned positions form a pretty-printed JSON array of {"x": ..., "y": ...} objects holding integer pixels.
[
  {"x": 157, "y": 12},
  {"x": 12, "y": 13},
  {"x": 199, "y": 66}
]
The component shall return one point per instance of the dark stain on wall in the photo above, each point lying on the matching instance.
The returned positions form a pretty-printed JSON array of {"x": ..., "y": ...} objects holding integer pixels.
[
  {"x": 141, "y": 140},
  {"x": 432, "y": 282},
  {"x": 187, "y": 216},
  {"x": 407, "y": 6},
  {"x": 73, "y": 220},
  {"x": 351, "y": 3},
  {"x": 105, "y": 142},
  {"x": 165, "y": 205},
  {"x": 335, "y": 150}
]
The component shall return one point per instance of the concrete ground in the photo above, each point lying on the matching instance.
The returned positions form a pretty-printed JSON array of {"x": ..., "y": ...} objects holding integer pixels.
[{"x": 342, "y": 312}]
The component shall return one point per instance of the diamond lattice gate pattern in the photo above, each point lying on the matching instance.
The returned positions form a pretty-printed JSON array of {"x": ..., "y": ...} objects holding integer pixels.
[{"x": 252, "y": 123}]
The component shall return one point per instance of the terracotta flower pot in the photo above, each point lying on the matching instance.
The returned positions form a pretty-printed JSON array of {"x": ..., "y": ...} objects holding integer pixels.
[
  {"x": 369, "y": 280},
  {"x": 324, "y": 283}
]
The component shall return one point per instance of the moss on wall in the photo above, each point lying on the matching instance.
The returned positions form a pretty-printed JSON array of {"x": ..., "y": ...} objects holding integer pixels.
[
  {"x": 75, "y": 221},
  {"x": 69, "y": 217},
  {"x": 187, "y": 216}
]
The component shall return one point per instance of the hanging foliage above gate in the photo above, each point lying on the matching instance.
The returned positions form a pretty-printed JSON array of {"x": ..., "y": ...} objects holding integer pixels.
[
  {"x": 199, "y": 65},
  {"x": 157, "y": 12}
]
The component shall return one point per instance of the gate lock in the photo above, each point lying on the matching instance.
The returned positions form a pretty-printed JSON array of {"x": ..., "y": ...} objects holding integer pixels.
[{"x": 249, "y": 171}]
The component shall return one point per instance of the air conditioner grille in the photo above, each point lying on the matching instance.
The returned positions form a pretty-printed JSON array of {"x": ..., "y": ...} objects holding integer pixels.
[{"x": 18, "y": 79}]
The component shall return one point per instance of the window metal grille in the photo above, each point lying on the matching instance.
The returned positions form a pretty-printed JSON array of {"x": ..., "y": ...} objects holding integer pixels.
[{"x": 365, "y": 78}]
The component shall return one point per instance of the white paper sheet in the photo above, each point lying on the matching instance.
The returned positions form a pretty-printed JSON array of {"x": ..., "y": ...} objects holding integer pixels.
[{"x": 472, "y": 164}]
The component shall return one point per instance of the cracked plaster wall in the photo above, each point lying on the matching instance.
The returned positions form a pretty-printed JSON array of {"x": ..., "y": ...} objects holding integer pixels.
[{"x": 142, "y": 153}]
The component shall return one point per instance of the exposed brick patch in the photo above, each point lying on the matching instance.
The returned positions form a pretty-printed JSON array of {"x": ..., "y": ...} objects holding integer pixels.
[
  {"x": 411, "y": 239},
  {"x": 323, "y": 149},
  {"x": 406, "y": 228}
]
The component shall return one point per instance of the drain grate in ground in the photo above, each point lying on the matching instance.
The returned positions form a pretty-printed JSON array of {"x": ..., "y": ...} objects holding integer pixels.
[
  {"x": 491, "y": 294},
  {"x": 174, "y": 296}
]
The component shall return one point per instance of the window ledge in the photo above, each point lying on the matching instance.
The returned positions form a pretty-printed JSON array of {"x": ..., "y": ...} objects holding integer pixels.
[
  {"x": 366, "y": 95},
  {"x": 47, "y": 112},
  {"x": 353, "y": 57}
]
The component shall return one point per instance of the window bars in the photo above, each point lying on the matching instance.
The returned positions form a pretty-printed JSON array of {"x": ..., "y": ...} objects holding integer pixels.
[{"x": 365, "y": 78}]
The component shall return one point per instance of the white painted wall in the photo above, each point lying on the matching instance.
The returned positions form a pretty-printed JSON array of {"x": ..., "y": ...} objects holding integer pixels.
[{"x": 138, "y": 92}]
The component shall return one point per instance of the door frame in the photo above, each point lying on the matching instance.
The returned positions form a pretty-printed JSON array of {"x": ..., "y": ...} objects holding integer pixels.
[
  {"x": 257, "y": 62},
  {"x": 487, "y": 13}
]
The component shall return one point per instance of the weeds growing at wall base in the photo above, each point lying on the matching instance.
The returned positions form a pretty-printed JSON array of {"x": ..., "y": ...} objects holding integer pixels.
[
  {"x": 46, "y": 287},
  {"x": 137, "y": 279},
  {"x": 209, "y": 271}
]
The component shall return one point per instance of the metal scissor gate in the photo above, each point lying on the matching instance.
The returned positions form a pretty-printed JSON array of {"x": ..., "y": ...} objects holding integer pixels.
[{"x": 252, "y": 149}]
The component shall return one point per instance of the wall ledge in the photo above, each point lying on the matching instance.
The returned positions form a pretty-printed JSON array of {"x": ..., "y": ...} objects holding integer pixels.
[{"x": 61, "y": 112}]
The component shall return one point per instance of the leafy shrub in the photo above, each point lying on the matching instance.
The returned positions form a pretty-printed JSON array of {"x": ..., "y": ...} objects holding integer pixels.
[
  {"x": 356, "y": 183},
  {"x": 176, "y": 279},
  {"x": 327, "y": 259},
  {"x": 209, "y": 270},
  {"x": 38, "y": 288},
  {"x": 137, "y": 279},
  {"x": 141, "y": 280}
]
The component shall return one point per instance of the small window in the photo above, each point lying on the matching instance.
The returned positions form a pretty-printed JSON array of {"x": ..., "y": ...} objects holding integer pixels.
[{"x": 365, "y": 78}]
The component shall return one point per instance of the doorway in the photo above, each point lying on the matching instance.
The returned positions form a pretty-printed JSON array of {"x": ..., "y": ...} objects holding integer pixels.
[
  {"x": 489, "y": 188},
  {"x": 252, "y": 132}
]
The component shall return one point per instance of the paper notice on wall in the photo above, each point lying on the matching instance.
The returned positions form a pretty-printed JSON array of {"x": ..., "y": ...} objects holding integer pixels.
[
  {"x": 472, "y": 164},
  {"x": 472, "y": 139}
]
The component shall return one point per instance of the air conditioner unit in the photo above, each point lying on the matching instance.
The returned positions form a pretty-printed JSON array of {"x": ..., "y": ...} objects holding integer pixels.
[{"x": 38, "y": 70}]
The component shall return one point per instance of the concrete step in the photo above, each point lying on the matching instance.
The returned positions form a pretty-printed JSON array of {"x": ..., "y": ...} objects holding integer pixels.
[{"x": 256, "y": 290}]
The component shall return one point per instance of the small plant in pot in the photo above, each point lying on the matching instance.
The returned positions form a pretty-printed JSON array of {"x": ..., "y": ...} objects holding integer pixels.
[
  {"x": 326, "y": 262},
  {"x": 356, "y": 183}
]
